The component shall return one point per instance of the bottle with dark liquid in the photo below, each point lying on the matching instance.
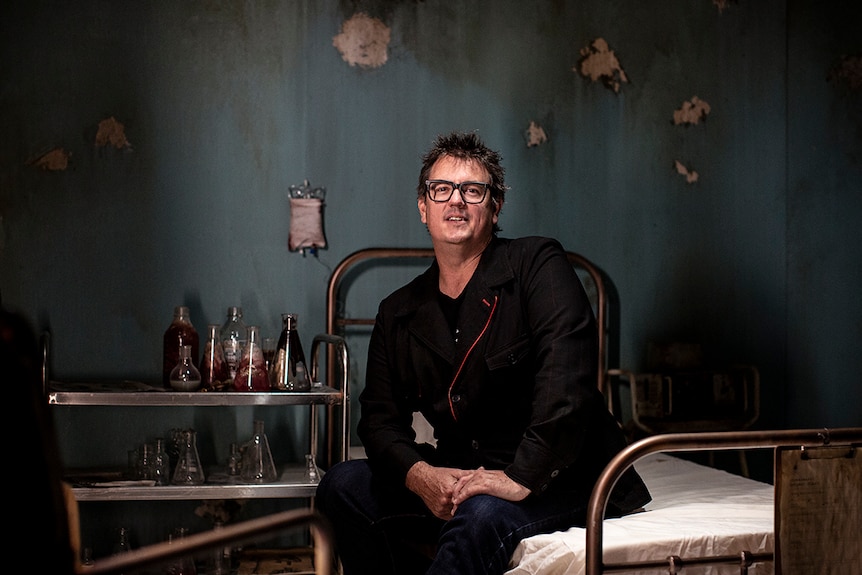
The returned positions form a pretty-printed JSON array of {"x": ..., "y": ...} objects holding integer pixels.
[
  {"x": 181, "y": 332},
  {"x": 288, "y": 369}
]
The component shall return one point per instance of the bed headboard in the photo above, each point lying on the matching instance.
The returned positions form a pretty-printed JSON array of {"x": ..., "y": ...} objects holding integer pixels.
[{"x": 367, "y": 261}]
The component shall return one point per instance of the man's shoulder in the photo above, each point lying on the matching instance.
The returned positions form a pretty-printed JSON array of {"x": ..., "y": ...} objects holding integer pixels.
[
  {"x": 411, "y": 293},
  {"x": 529, "y": 246}
]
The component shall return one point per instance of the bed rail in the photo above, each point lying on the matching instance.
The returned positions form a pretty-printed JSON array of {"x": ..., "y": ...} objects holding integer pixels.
[
  {"x": 336, "y": 322},
  {"x": 721, "y": 440}
]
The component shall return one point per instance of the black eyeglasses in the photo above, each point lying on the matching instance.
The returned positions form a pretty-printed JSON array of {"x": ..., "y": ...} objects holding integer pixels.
[{"x": 442, "y": 190}]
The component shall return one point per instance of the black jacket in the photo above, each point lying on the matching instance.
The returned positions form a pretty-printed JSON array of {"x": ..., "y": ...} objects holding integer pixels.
[{"x": 515, "y": 392}]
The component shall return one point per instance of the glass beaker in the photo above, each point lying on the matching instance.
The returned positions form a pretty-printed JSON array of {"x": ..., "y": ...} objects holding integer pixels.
[
  {"x": 215, "y": 372},
  {"x": 161, "y": 464},
  {"x": 251, "y": 371},
  {"x": 233, "y": 338},
  {"x": 257, "y": 463},
  {"x": 189, "y": 470}
]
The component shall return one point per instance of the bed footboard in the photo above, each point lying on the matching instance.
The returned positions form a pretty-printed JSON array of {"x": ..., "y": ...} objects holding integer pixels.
[{"x": 692, "y": 442}]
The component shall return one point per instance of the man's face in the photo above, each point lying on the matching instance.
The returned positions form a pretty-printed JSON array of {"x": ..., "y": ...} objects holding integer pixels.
[{"x": 455, "y": 221}]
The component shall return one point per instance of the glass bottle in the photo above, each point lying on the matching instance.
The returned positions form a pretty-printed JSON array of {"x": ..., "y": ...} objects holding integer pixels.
[
  {"x": 251, "y": 370},
  {"x": 185, "y": 376},
  {"x": 288, "y": 371},
  {"x": 234, "y": 460},
  {"x": 257, "y": 463},
  {"x": 215, "y": 372},
  {"x": 161, "y": 464},
  {"x": 188, "y": 470},
  {"x": 184, "y": 565},
  {"x": 123, "y": 544},
  {"x": 233, "y": 335},
  {"x": 180, "y": 332},
  {"x": 312, "y": 473},
  {"x": 146, "y": 460},
  {"x": 219, "y": 561}
]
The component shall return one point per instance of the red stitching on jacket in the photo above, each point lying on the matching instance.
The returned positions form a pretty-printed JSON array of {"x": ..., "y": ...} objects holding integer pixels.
[{"x": 469, "y": 351}]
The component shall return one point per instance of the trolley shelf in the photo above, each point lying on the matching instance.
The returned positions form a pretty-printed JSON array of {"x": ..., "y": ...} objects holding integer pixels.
[
  {"x": 292, "y": 483},
  {"x": 135, "y": 393}
]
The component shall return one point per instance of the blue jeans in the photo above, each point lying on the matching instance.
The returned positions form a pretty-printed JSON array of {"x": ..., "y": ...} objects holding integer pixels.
[{"x": 383, "y": 528}]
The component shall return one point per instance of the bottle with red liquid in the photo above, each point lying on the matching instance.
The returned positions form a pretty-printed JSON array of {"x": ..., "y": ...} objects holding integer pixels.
[
  {"x": 215, "y": 372},
  {"x": 181, "y": 332},
  {"x": 251, "y": 371}
]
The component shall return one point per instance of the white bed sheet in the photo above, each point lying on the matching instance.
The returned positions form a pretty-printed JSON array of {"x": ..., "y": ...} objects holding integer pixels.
[{"x": 695, "y": 511}]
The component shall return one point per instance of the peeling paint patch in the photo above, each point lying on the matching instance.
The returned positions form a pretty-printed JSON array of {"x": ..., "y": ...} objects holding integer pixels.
[
  {"x": 55, "y": 160},
  {"x": 599, "y": 63},
  {"x": 848, "y": 70},
  {"x": 690, "y": 176},
  {"x": 691, "y": 112},
  {"x": 535, "y": 135},
  {"x": 112, "y": 132},
  {"x": 363, "y": 41}
]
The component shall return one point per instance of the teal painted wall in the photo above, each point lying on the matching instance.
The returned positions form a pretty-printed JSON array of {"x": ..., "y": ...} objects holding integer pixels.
[{"x": 226, "y": 104}]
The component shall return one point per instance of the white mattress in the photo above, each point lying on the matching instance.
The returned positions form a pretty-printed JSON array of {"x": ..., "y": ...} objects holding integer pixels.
[{"x": 695, "y": 511}]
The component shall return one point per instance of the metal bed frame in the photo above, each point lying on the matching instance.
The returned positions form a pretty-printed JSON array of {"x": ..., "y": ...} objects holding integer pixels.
[
  {"x": 601, "y": 292},
  {"x": 604, "y": 302},
  {"x": 719, "y": 440}
]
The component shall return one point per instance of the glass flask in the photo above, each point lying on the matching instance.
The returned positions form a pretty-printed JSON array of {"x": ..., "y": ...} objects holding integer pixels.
[
  {"x": 312, "y": 473},
  {"x": 161, "y": 464},
  {"x": 234, "y": 460},
  {"x": 257, "y": 464},
  {"x": 288, "y": 371},
  {"x": 215, "y": 372},
  {"x": 184, "y": 565},
  {"x": 123, "y": 544},
  {"x": 185, "y": 376},
  {"x": 233, "y": 335},
  {"x": 188, "y": 470},
  {"x": 219, "y": 560},
  {"x": 251, "y": 370},
  {"x": 181, "y": 332},
  {"x": 147, "y": 456}
]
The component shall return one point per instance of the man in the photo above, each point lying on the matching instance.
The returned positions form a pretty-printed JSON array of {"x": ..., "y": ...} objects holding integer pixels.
[{"x": 495, "y": 344}]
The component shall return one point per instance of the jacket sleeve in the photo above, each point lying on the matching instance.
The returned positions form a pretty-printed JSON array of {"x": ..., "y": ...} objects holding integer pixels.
[
  {"x": 386, "y": 424},
  {"x": 565, "y": 401}
]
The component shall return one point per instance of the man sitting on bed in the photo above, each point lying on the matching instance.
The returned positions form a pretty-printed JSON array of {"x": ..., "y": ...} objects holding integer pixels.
[{"x": 495, "y": 344}]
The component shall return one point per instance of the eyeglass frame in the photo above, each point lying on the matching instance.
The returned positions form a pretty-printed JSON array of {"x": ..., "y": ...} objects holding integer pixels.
[{"x": 486, "y": 186}]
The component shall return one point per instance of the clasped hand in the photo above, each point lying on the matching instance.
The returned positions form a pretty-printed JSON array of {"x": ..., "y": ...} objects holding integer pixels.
[{"x": 443, "y": 489}]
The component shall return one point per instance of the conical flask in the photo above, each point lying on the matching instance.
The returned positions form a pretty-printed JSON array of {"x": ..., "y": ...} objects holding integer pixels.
[
  {"x": 251, "y": 371},
  {"x": 185, "y": 376},
  {"x": 257, "y": 464},
  {"x": 215, "y": 372},
  {"x": 179, "y": 333},
  {"x": 288, "y": 371},
  {"x": 189, "y": 470}
]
